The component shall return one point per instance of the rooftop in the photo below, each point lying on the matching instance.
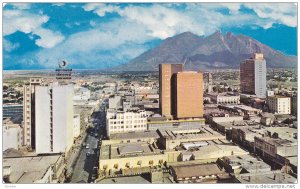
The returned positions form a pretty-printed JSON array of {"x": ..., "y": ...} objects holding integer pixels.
[
  {"x": 134, "y": 135},
  {"x": 29, "y": 169},
  {"x": 196, "y": 170}
]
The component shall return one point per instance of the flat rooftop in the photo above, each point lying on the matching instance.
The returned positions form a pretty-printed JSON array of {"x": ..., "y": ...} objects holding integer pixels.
[
  {"x": 271, "y": 177},
  {"x": 134, "y": 135},
  {"x": 248, "y": 162},
  {"x": 197, "y": 170},
  {"x": 115, "y": 151},
  {"x": 190, "y": 133},
  {"x": 25, "y": 170}
]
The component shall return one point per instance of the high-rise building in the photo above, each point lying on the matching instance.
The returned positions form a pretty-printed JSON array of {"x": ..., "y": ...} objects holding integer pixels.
[
  {"x": 253, "y": 75},
  {"x": 165, "y": 73},
  {"x": 207, "y": 77},
  {"x": 54, "y": 119},
  {"x": 29, "y": 111},
  {"x": 187, "y": 95}
]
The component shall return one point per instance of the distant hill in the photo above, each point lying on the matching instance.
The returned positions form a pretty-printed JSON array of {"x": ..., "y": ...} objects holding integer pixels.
[{"x": 211, "y": 52}]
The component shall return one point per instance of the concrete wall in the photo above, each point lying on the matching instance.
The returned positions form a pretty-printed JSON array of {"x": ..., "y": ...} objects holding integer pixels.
[
  {"x": 42, "y": 120},
  {"x": 12, "y": 137},
  {"x": 76, "y": 122}
]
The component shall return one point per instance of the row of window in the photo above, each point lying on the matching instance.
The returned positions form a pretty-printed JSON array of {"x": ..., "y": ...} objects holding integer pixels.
[{"x": 128, "y": 127}]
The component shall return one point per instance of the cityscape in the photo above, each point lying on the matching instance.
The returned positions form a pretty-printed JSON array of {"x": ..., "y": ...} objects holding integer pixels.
[{"x": 211, "y": 109}]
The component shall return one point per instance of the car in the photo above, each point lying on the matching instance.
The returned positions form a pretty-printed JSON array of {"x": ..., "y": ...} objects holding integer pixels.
[
  {"x": 88, "y": 154},
  {"x": 87, "y": 146}
]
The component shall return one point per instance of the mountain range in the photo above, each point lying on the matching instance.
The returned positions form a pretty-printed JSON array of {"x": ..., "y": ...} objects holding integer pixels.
[{"x": 216, "y": 51}]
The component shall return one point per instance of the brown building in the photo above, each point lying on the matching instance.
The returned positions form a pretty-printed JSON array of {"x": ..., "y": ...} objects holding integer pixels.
[
  {"x": 187, "y": 95},
  {"x": 165, "y": 73}
]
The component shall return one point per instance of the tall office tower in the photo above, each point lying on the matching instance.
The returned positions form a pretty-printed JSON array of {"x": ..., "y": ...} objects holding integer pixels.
[
  {"x": 253, "y": 75},
  {"x": 29, "y": 111},
  {"x": 165, "y": 73},
  {"x": 54, "y": 119},
  {"x": 187, "y": 95},
  {"x": 207, "y": 77}
]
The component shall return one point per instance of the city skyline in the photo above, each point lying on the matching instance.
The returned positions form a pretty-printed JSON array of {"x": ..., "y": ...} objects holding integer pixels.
[{"x": 107, "y": 35}]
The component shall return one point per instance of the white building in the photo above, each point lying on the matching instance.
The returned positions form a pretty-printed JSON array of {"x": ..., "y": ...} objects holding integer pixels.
[
  {"x": 122, "y": 122},
  {"x": 114, "y": 102},
  {"x": 54, "y": 119},
  {"x": 76, "y": 122},
  {"x": 12, "y": 135},
  {"x": 279, "y": 104},
  {"x": 225, "y": 98}
]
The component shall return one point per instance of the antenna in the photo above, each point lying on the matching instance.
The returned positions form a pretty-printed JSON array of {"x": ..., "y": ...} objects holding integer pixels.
[{"x": 184, "y": 61}]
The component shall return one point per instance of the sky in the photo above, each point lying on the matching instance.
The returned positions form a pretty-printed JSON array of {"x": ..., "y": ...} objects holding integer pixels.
[{"x": 104, "y": 35}]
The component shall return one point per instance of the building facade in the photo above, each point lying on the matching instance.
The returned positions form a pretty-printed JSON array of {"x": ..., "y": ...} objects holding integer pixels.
[
  {"x": 279, "y": 104},
  {"x": 77, "y": 124},
  {"x": 166, "y": 72},
  {"x": 187, "y": 95},
  {"x": 12, "y": 135},
  {"x": 29, "y": 111},
  {"x": 123, "y": 122},
  {"x": 54, "y": 119},
  {"x": 253, "y": 76}
]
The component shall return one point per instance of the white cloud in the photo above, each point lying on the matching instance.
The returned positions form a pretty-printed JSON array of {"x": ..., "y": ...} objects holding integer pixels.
[
  {"x": 21, "y": 6},
  {"x": 283, "y": 13},
  {"x": 9, "y": 46},
  {"x": 48, "y": 39},
  {"x": 113, "y": 43},
  {"x": 19, "y": 20},
  {"x": 101, "y": 8}
]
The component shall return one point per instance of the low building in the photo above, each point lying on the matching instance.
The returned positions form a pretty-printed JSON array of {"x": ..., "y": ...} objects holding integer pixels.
[
  {"x": 198, "y": 173},
  {"x": 243, "y": 164},
  {"x": 224, "y": 98},
  {"x": 244, "y": 136},
  {"x": 135, "y": 158},
  {"x": 123, "y": 122},
  {"x": 211, "y": 153},
  {"x": 29, "y": 170},
  {"x": 275, "y": 151},
  {"x": 132, "y": 137},
  {"x": 170, "y": 139},
  {"x": 157, "y": 122},
  {"x": 279, "y": 104},
  {"x": 12, "y": 135},
  {"x": 243, "y": 110}
]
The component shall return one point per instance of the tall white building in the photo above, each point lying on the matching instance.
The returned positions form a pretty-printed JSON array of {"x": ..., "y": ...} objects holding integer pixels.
[
  {"x": 29, "y": 111},
  {"x": 54, "y": 119},
  {"x": 279, "y": 104},
  {"x": 122, "y": 122}
]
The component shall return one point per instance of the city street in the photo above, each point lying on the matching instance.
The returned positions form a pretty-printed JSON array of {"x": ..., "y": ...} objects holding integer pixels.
[{"x": 85, "y": 170}]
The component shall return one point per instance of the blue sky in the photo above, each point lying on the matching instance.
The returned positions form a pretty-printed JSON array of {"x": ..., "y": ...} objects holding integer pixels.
[{"x": 98, "y": 35}]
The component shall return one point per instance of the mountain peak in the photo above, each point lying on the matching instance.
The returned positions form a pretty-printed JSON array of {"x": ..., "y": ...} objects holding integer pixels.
[{"x": 213, "y": 51}]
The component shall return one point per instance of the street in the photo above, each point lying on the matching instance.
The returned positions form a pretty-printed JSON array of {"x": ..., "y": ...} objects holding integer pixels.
[{"x": 85, "y": 170}]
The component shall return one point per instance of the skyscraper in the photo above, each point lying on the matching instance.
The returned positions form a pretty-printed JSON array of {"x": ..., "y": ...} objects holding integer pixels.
[
  {"x": 29, "y": 111},
  {"x": 253, "y": 75},
  {"x": 165, "y": 73},
  {"x": 187, "y": 95},
  {"x": 54, "y": 118}
]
